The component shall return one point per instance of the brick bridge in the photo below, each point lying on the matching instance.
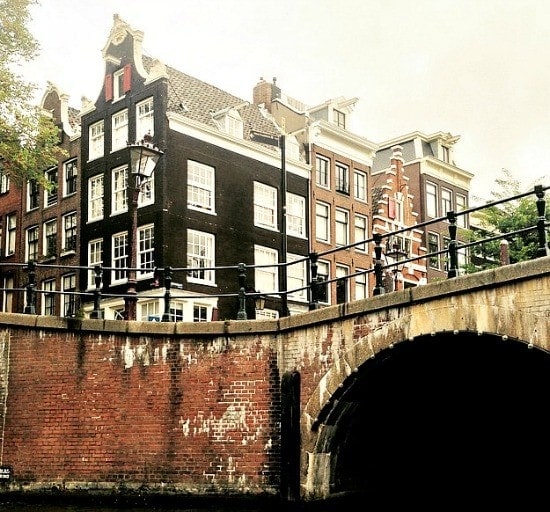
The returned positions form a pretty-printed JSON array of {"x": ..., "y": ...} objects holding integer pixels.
[{"x": 440, "y": 388}]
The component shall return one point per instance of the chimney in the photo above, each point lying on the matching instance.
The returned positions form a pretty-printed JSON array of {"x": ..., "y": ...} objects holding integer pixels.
[{"x": 264, "y": 93}]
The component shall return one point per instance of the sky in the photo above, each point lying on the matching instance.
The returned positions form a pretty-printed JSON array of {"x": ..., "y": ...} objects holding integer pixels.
[{"x": 479, "y": 69}]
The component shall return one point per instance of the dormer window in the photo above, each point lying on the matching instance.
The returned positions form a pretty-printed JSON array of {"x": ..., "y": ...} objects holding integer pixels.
[
  {"x": 118, "y": 84},
  {"x": 445, "y": 154},
  {"x": 229, "y": 121},
  {"x": 339, "y": 118}
]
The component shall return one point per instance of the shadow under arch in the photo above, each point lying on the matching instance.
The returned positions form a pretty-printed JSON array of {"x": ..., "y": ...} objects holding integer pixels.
[{"x": 454, "y": 414}]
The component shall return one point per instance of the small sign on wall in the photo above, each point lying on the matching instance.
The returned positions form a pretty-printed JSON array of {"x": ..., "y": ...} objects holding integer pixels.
[{"x": 6, "y": 474}]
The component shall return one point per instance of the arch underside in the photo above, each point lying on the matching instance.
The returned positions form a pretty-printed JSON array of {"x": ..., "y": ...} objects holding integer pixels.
[{"x": 443, "y": 414}]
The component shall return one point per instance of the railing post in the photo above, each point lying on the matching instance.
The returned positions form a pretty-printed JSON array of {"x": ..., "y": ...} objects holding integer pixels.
[
  {"x": 96, "y": 313},
  {"x": 167, "y": 293},
  {"x": 541, "y": 222},
  {"x": 379, "y": 285},
  {"x": 241, "y": 314},
  {"x": 30, "y": 307},
  {"x": 314, "y": 283},
  {"x": 453, "y": 252}
]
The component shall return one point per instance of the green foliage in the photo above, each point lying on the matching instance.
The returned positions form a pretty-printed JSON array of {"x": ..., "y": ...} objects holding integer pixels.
[
  {"x": 507, "y": 217},
  {"x": 29, "y": 141}
]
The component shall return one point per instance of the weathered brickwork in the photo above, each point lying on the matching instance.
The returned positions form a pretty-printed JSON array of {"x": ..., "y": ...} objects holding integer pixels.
[{"x": 197, "y": 408}]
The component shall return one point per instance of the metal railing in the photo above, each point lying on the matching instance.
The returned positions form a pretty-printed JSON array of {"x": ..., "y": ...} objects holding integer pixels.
[{"x": 313, "y": 288}]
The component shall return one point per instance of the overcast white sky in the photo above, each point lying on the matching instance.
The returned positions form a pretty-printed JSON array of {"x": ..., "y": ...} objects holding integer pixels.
[{"x": 475, "y": 68}]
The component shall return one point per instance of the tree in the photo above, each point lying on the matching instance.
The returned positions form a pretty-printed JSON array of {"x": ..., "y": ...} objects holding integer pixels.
[
  {"x": 507, "y": 217},
  {"x": 29, "y": 140}
]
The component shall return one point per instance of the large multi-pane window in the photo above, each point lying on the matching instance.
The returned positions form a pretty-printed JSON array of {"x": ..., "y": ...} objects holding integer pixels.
[
  {"x": 68, "y": 298},
  {"x": 145, "y": 119},
  {"x": 322, "y": 172},
  {"x": 69, "y": 232},
  {"x": 296, "y": 277},
  {"x": 360, "y": 284},
  {"x": 360, "y": 232},
  {"x": 50, "y": 192},
  {"x": 446, "y": 201},
  {"x": 339, "y": 118},
  {"x": 95, "y": 258},
  {"x": 360, "y": 185},
  {"x": 200, "y": 186},
  {"x": 119, "y": 256},
  {"x": 48, "y": 297},
  {"x": 461, "y": 205},
  {"x": 32, "y": 236},
  {"x": 120, "y": 130},
  {"x": 341, "y": 218},
  {"x": 322, "y": 222},
  {"x": 323, "y": 274},
  {"x": 33, "y": 195},
  {"x": 342, "y": 284},
  {"x": 120, "y": 190},
  {"x": 431, "y": 199},
  {"x": 342, "y": 178},
  {"x": 70, "y": 173},
  {"x": 433, "y": 247},
  {"x": 96, "y": 140},
  {"x": 295, "y": 215},
  {"x": 50, "y": 238},
  {"x": 146, "y": 250},
  {"x": 200, "y": 313},
  {"x": 150, "y": 311},
  {"x": 95, "y": 198},
  {"x": 11, "y": 224},
  {"x": 265, "y": 206},
  {"x": 200, "y": 257},
  {"x": 265, "y": 278}
]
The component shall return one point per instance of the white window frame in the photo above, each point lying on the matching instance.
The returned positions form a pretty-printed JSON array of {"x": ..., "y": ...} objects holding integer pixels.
[
  {"x": 118, "y": 85},
  {"x": 342, "y": 272},
  {"x": 11, "y": 238},
  {"x": 341, "y": 231},
  {"x": 4, "y": 183},
  {"x": 119, "y": 134},
  {"x": 33, "y": 195},
  {"x": 265, "y": 206},
  {"x": 296, "y": 277},
  {"x": 341, "y": 178},
  {"x": 322, "y": 222},
  {"x": 360, "y": 185},
  {"x": 322, "y": 172},
  {"x": 68, "y": 298},
  {"x": 149, "y": 310},
  {"x": 95, "y": 257},
  {"x": 70, "y": 173},
  {"x": 32, "y": 237},
  {"x": 266, "y": 279},
  {"x": 295, "y": 215},
  {"x": 146, "y": 251},
  {"x": 96, "y": 140},
  {"x": 48, "y": 297},
  {"x": 70, "y": 232},
  {"x": 119, "y": 185},
  {"x": 461, "y": 205},
  {"x": 201, "y": 251},
  {"x": 361, "y": 224},
  {"x": 201, "y": 187},
  {"x": 119, "y": 257},
  {"x": 145, "y": 118},
  {"x": 96, "y": 191},
  {"x": 51, "y": 194},
  {"x": 49, "y": 233},
  {"x": 361, "y": 284},
  {"x": 431, "y": 199},
  {"x": 446, "y": 200},
  {"x": 323, "y": 270}
]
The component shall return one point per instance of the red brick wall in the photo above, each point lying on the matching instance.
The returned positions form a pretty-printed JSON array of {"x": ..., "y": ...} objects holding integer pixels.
[{"x": 86, "y": 409}]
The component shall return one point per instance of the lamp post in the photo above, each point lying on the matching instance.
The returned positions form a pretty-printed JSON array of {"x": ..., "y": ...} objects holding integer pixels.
[
  {"x": 395, "y": 254},
  {"x": 143, "y": 160}
]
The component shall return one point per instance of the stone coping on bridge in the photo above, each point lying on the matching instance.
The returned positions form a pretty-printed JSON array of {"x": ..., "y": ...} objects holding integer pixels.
[{"x": 492, "y": 278}]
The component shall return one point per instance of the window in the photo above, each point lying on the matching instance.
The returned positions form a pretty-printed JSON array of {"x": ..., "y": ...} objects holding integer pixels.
[
  {"x": 433, "y": 246},
  {"x": 361, "y": 284},
  {"x": 200, "y": 256},
  {"x": 339, "y": 118},
  {"x": 446, "y": 201},
  {"x": 95, "y": 198},
  {"x": 50, "y": 192},
  {"x": 11, "y": 222},
  {"x": 150, "y": 311},
  {"x": 200, "y": 186},
  {"x": 445, "y": 154},
  {"x": 360, "y": 232},
  {"x": 359, "y": 185},
  {"x": 95, "y": 257},
  {"x": 145, "y": 119},
  {"x": 70, "y": 173},
  {"x": 120, "y": 130},
  {"x": 119, "y": 89},
  {"x": 200, "y": 313},
  {"x": 68, "y": 299},
  {"x": 96, "y": 141},
  {"x": 48, "y": 297},
  {"x": 431, "y": 200},
  {"x": 461, "y": 205},
  {"x": 32, "y": 195},
  {"x": 32, "y": 244},
  {"x": 119, "y": 257},
  {"x": 146, "y": 250},
  {"x": 323, "y": 273},
  {"x": 265, "y": 278},
  {"x": 295, "y": 215},
  {"x": 342, "y": 284},
  {"x": 49, "y": 249},
  {"x": 231, "y": 123},
  {"x": 322, "y": 172},
  {"x": 342, "y": 178},
  {"x": 7, "y": 295},
  {"x": 120, "y": 190},
  {"x": 342, "y": 222},
  {"x": 265, "y": 206},
  {"x": 296, "y": 277},
  {"x": 4, "y": 183},
  {"x": 322, "y": 222},
  {"x": 176, "y": 311},
  {"x": 69, "y": 232}
]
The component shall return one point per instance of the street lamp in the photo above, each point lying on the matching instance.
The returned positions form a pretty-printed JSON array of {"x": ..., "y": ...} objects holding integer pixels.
[
  {"x": 143, "y": 160},
  {"x": 396, "y": 253}
]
